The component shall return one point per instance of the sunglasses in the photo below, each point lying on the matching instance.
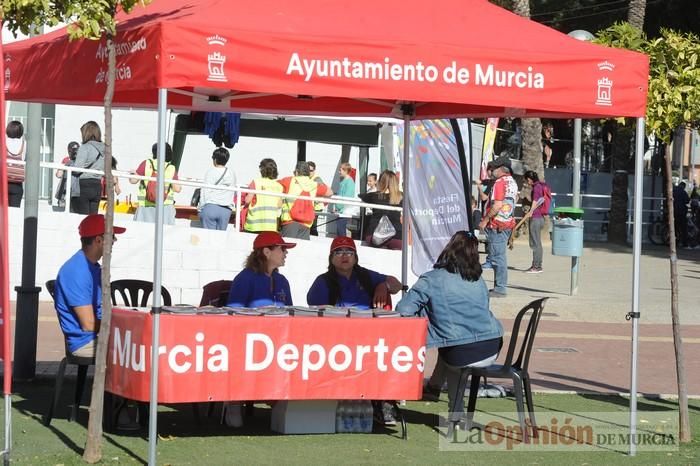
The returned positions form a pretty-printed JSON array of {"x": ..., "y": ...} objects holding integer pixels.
[{"x": 344, "y": 252}]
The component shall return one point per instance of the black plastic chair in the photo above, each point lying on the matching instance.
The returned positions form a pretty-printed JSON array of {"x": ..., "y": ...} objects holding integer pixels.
[
  {"x": 136, "y": 293},
  {"x": 83, "y": 364},
  {"x": 513, "y": 369}
]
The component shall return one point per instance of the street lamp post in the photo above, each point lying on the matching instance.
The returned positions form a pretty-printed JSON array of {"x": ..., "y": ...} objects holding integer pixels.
[{"x": 576, "y": 184}]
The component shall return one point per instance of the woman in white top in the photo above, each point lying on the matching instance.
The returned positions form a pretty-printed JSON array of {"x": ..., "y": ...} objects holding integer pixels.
[
  {"x": 16, "y": 151},
  {"x": 215, "y": 204}
]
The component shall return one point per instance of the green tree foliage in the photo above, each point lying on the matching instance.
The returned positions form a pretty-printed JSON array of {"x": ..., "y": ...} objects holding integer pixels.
[
  {"x": 89, "y": 19},
  {"x": 674, "y": 75}
]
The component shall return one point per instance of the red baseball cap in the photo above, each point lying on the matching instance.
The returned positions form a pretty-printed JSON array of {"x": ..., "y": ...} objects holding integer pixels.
[
  {"x": 94, "y": 225},
  {"x": 268, "y": 239},
  {"x": 343, "y": 242}
]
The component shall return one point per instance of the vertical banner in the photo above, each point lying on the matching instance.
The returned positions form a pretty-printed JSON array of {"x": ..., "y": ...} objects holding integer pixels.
[
  {"x": 5, "y": 322},
  {"x": 487, "y": 148},
  {"x": 436, "y": 190}
]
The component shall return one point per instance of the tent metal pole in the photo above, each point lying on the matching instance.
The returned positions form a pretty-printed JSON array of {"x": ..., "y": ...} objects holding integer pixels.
[
  {"x": 576, "y": 201},
  {"x": 408, "y": 110},
  {"x": 637, "y": 247},
  {"x": 157, "y": 278},
  {"x": 8, "y": 428}
]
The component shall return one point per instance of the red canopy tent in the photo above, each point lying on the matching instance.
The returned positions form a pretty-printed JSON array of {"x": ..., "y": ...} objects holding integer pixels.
[{"x": 361, "y": 58}]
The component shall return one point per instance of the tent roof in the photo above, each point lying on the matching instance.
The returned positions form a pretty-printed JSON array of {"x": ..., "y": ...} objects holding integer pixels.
[{"x": 363, "y": 58}]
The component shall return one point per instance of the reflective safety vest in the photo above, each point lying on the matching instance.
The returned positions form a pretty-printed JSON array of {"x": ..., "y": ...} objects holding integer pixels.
[
  {"x": 319, "y": 206},
  {"x": 148, "y": 171},
  {"x": 302, "y": 183},
  {"x": 264, "y": 211}
]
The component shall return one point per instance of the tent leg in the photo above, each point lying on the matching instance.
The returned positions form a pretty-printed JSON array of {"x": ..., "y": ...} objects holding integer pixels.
[
  {"x": 637, "y": 246},
  {"x": 407, "y": 113},
  {"x": 8, "y": 429},
  {"x": 157, "y": 278}
]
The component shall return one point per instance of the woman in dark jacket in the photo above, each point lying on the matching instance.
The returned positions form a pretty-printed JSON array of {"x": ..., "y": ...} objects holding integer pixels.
[
  {"x": 387, "y": 193},
  {"x": 455, "y": 299},
  {"x": 90, "y": 155}
]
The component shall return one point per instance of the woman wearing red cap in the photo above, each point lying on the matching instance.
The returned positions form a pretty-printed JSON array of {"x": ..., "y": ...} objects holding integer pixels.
[
  {"x": 260, "y": 283},
  {"x": 348, "y": 284}
]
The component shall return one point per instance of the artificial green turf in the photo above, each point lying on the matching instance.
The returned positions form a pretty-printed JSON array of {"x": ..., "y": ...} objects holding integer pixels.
[{"x": 185, "y": 442}]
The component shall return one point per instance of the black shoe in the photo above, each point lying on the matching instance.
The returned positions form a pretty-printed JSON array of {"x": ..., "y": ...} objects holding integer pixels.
[
  {"x": 496, "y": 294},
  {"x": 384, "y": 413},
  {"x": 389, "y": 416},
  {"x": 430, "y": 393}
]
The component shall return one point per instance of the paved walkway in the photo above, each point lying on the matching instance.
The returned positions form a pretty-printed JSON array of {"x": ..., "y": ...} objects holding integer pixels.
[{"x": 583, "y": 343}]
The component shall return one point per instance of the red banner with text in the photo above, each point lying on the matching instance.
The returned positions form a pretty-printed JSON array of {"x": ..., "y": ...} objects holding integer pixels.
[{"x": 219, "y": 358}]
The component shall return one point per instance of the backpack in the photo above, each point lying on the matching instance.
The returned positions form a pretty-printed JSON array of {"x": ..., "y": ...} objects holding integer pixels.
[
  {"x": 549, "y": 203},
  {"x": 15, "y": 173},
  {"x": 152, "y": 186},
  {"x": 302, "y": 210}
]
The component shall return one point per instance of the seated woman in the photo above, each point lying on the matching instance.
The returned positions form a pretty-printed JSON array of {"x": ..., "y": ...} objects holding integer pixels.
[
  {"x": 260, "y": 283},
  {"x": 455, "y": 299},
  {"x": 346, "y": 284},
  {"x": 387, "y": 193}
]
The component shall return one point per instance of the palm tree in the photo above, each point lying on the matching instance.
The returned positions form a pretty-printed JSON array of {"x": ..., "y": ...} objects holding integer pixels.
[
  {"x": 531, "y": 127},
  {"x": 636, "y": 13}
]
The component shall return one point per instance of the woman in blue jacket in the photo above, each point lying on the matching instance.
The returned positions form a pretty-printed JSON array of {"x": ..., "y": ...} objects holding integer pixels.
[
  {"x": 260, "y": 283},
  {"x": 455, "y": 299}
]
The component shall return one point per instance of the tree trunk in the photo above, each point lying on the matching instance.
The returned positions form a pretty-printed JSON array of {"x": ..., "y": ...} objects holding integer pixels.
[
  {"x": 684, "y": 424},
  {"x": 636, "y": 13},
  {"x": 617, "y": 221},
  {"x": 521, "y": 7},
  {"x": 532, "y": 145},
  {"x": 531, "y": 127},
  {"x": 93, "y": 445}
]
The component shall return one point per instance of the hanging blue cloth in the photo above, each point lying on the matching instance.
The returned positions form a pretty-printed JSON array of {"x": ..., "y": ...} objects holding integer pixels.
[
  {"x": 233, "y": 129},
  {"x": 223, "y": 128}
]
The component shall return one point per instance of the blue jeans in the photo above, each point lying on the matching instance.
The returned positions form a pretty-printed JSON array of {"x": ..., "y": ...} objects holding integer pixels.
[
  {"x": 341, "y": 226},
  {"x": 215, "y": 217},
  {"x": 497, "y": 245}
]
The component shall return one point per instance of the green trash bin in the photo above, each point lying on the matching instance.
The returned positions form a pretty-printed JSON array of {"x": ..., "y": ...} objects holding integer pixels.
[{"x": 567, "y": 232}]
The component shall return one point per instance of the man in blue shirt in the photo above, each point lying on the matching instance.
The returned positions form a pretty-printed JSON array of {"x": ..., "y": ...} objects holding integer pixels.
[
  {"x": 78, "y": 294},
  {"x": 346, "y": 284}
]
